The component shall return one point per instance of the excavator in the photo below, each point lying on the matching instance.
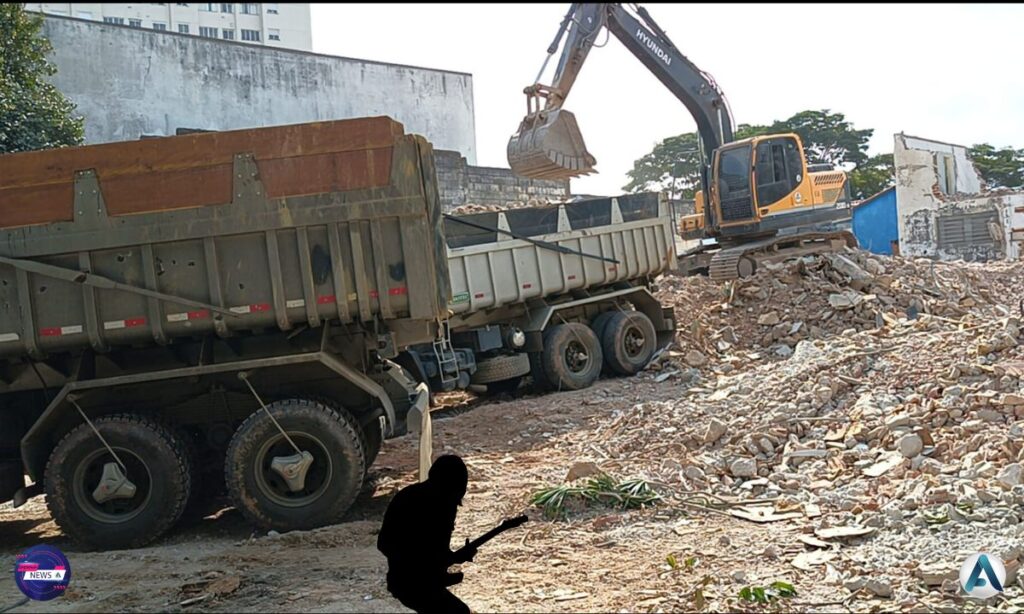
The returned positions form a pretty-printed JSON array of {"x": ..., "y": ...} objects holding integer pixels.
[{"x": 760, "y": 200}]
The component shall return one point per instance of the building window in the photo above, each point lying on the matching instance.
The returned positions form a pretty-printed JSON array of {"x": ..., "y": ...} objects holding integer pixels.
[
  {"x": 227, "y": 8},
  {"x": 271, "y": 7},
  {"x": 207, "y": 32},
  {"x": 966, "y": 230},
  {"x": 208, "y": 6},
  {"x": 55, "y": 11},
  {"x": 183, "y": 28},
  {"x": 945, "y": 167},
  {"x": 227, "y": 34},
  {"x": 159, "y": 26},
  {"x": 116, "y": 20},
  {"x": 83, "y": 14},
  {"x": 135, "y": 23},
  {"x": 273, "y": 34},
  {"x": 250, "y": 8},
  {"x": 251, "y": 35}
]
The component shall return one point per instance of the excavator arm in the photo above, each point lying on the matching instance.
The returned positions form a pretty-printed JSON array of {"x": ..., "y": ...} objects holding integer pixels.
[{"x": 549, "y": 145}]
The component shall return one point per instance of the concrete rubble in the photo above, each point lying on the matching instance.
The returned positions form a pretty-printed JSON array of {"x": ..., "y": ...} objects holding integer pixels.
[{"x": 882, "y": 397}]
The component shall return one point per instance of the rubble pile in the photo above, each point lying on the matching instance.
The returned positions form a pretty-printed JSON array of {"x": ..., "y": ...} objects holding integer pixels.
[
  {"x": 482, "y": 208},
  {"x": 892, "y": 401},
  {"x": 763, "y": 317}
]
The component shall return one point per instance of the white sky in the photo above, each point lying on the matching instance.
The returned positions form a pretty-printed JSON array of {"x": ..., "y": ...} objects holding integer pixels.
[{"x": 950, "y": 72}]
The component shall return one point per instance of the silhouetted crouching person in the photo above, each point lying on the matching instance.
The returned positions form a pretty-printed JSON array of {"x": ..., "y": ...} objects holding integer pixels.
[{"x": 416, "y": 535}]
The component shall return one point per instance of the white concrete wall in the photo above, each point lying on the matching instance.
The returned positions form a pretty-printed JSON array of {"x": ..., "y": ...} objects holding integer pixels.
[
  {"x": 289, "y": 22},
  {"x": 920, "y": 199},
  {"x": 128, "y": 82}
]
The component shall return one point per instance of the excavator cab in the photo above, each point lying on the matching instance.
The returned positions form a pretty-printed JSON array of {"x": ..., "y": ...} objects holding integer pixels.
[{"x": 763, "y": 184}]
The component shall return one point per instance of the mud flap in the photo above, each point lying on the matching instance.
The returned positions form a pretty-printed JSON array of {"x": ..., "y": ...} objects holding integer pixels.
[{"x": 419, "y": 421}]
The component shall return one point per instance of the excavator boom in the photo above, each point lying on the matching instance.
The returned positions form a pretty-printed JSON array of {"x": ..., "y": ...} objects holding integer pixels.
[
  {"x": 760, "y": 201},
  {"x": 549, "y": 144}
]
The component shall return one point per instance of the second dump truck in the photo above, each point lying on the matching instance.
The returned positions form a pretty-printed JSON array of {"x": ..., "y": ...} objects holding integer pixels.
[{"x": 257, "y": 310}]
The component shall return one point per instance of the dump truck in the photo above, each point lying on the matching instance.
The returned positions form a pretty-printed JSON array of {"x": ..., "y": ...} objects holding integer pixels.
[
  {"x": 217, "y": 308},
  {"x": 256, "y": 311},
  {"x": 562, "y": 293}
]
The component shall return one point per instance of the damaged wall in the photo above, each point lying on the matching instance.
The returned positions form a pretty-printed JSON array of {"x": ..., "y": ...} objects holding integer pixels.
[
  {"x": 944, "y": 209},
  {"x": 460, "y": 183},
  {"x": 128, "y": 82}
]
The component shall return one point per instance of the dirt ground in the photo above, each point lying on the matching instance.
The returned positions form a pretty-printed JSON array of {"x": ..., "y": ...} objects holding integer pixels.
[{"x": 599, "y": 560}]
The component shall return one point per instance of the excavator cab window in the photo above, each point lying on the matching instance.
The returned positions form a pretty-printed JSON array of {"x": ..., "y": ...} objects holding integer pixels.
[
  {"x": 733, "y": 181},
  {"x": 778, "y": 169}
]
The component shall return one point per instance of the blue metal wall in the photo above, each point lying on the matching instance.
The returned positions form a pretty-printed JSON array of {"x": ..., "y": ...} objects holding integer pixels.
[{"x": 874, "y": 223}]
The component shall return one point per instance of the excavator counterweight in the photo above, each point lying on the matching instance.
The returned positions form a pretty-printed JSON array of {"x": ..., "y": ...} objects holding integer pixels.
[{"x": 549, "y": 145}]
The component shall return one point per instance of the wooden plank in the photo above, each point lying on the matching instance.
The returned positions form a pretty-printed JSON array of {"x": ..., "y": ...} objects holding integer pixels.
[
  {"x": 167, "y": 190},
  {"x": 195, "y": 170},
  {"x": 187, "y": 151},
  {"x": 332, "y": 172},
  {"x": 42, "y": 204}
]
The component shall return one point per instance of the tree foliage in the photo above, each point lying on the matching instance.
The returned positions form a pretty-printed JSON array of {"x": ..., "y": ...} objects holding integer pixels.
[
  {"x": 828, "y": 137},
  {"x": 33, "y": 113},
  {"x": 1000, "y": 168},
  {"x": 873, "y": 176},
  {"x": 674, "y": 164}
]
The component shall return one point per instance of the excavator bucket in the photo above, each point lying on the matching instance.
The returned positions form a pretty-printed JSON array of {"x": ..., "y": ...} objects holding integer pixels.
[{"x": 549, "y": 146}]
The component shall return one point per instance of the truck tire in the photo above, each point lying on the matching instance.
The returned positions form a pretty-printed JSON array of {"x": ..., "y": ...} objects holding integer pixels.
[
  {"x": 628, "y": 342},
  {"x": 157, "y": 464},
  {"x": 501, "y": 368},
  {"x": 540, "y": 380},
  {"x": 599, "y": 323},
  {"x": 332, "y": 481},
  {"x": 373, "y": 439},
  {"x": 572, "y": 356}
]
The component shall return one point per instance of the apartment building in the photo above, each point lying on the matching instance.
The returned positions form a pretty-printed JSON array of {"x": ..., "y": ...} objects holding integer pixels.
[{"x": 264, "y": 23}]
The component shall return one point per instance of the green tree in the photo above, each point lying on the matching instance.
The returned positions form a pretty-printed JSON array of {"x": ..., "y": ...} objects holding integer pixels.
[
  {"x": 872, "y": 176},
  {"x": 674, "y": 164},
  {"x": 828, "y": 138},
  {"x": 33, "y": 113},
  {"x": 1000, "y": 168}
]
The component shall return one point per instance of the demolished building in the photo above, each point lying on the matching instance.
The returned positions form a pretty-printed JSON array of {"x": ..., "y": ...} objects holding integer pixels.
[{"x": 946, "y": 211}]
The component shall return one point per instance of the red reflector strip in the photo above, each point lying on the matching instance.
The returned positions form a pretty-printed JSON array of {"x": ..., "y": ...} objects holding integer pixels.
[
  {"x": 129, "y": 323},
  {"x": 400, "y": 290},
  {"x": 200, "y": 314},
  {"x": 478, "y": 295},
  {"x": 243, "y": 309},
  {"x": 373, "y": 294},
  {"x": 324, "y": 300},
  {"x": 527, "y": 286},
  {"x": 59, "y": 331},
  {"x": 572, "y": 277}
]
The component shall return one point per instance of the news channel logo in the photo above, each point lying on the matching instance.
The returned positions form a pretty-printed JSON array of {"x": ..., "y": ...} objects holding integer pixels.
[
  {"x": 42, "y": 573},
  {"x": 982, "y": 575}
]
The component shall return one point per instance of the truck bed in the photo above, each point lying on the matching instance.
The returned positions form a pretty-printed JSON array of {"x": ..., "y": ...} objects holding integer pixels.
[
  {"x": 142, "y": 242},
  {"x": 604, "y": 241}
]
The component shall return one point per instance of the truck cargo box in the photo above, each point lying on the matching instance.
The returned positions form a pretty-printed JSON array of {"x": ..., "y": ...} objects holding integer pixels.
[
  {"x": 145, "y": 241},
  {"x": 502, "y": 258}
]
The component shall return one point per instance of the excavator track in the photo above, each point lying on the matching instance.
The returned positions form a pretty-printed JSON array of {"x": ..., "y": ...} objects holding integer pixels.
[{"x": 744, "y": 260}]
